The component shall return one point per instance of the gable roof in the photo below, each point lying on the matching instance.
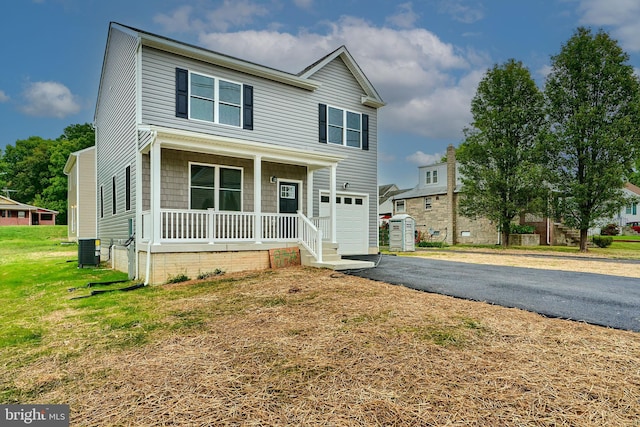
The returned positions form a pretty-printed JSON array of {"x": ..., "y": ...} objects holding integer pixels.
[
  {"x": 301, "y": 80},
  {"x": 633, "y": 188},
  {"x": 13, "y": 205},
  {"x": 371, "y": 98}
]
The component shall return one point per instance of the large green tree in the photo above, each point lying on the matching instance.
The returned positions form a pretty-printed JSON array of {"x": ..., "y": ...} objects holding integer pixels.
[
  {"x": 498, "y": 159},
  {"x": 594, "y": 111}
]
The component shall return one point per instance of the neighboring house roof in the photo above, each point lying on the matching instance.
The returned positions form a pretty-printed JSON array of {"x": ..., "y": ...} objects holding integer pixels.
[
  {"x": 633, "y": 188},
  {"x": 12, "y": 205},
  {"x": 72, "y": 158},
  {"x": 389, "y": 194}
]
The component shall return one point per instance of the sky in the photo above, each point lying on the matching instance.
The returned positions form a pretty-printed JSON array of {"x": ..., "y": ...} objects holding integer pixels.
[{"x": 424, "y": 57}]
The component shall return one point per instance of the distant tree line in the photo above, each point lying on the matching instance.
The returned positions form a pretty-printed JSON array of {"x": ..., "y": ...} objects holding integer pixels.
[
  {"x": 32, "y": 170},
  {"x": 565, "y": 151}
]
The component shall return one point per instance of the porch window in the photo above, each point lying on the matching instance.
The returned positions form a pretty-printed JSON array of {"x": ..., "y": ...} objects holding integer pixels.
[
  {"x": 22, "y": 214},
  {"x": 215, "y": 187}
]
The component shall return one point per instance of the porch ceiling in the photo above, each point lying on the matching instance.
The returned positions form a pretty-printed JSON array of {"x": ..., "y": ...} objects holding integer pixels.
[{"x": 202, "y": 143}]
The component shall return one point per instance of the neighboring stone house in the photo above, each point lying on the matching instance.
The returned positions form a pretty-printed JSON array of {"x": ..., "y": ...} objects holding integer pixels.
[
  {"x": 16, "y": 213},
  {"x": 433, "y": 203},
  {"x": 210, "y": 161}
]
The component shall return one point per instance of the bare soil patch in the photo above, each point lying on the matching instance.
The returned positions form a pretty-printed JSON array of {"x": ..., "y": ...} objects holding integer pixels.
[
  {"x": 586, "y": 263},
  {"x": 313, "y": 347}
]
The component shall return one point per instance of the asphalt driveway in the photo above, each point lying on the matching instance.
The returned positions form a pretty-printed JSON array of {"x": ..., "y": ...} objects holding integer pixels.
[{"x": 593, "y": 298}]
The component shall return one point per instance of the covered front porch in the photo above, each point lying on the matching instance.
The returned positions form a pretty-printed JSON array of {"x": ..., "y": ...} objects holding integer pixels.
[{"x": 255, "y": 197}]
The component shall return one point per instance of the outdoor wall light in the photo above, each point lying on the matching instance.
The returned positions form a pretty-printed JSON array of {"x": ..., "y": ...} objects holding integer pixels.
[
  {"x": 345, "y": 185},
  {"x": 273, "y": 179}
]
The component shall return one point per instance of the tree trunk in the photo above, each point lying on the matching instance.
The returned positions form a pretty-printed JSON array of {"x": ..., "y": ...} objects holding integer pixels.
[
  {"x": 583, "y": 240},
  {"x": 505, "y": 237}
]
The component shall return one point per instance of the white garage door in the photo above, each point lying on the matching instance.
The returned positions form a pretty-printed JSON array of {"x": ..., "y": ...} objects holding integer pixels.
[{"x": 352, "y": 222}]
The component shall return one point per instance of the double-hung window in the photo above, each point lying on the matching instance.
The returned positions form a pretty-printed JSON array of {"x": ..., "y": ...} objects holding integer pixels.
[
  {"x": 344, "y": 127},
  {"x": 431, "y": 177},
  {"x": 216, "y": 187},
  {"x": 215, "y": 100}
]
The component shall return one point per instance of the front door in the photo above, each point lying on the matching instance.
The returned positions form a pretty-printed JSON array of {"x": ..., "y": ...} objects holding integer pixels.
[
  {"x": 288, "y": 203},
  {"x": 289, "y": 197}
]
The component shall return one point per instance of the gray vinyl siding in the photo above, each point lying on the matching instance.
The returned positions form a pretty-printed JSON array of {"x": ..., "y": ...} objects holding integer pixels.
[
  {"x": 116, "y": 133},
  {"x": 283, "y": 115},
  {"x": 340, "y": 89}
]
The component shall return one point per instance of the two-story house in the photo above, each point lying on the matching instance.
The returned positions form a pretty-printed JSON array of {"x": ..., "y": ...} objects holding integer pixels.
[
  {"x": 209, "y": 161},
  {"x": 433, "y": 204}
]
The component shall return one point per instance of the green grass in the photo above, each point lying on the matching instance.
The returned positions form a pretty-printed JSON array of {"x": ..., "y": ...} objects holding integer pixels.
[{"x": 41, "y": 316}]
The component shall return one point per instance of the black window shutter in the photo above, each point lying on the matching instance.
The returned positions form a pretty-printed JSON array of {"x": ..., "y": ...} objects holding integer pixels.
[
  {"x": 322, "y": 123},
  {"x": 365, "y": 132},
  {"x": 247, "y": 103},
  {"x": 182, "y": 93}
]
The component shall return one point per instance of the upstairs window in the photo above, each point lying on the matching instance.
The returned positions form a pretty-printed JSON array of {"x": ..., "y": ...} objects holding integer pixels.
[
  {"x": 344, "y": 127},
  {"x": 211, "y": 99},
  {"x": 427, "y": 203},
  {"x": 215, "y": 100},
  {"x": 400, "y": 207},
  {"x": 431, "y": 177}
]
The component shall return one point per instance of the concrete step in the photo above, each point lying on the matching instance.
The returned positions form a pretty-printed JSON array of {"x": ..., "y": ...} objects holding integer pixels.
[{"x": 343, "y": 264}]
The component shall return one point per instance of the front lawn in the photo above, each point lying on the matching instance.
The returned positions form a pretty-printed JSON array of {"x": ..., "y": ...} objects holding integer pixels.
[{"x": 295, "y": 346}]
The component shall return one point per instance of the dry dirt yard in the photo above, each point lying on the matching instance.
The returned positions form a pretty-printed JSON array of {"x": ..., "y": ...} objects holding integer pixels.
[
  {"x": 307, "y": 347},
  {"x": 585, "y": 263}
]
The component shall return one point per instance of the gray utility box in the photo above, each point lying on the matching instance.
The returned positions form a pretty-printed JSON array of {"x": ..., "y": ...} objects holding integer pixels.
[
  {"x": 402, "y": 233},
  {"x": 88, "y": 252}
]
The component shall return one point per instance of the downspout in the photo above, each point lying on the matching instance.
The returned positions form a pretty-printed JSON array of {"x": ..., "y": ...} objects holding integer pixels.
[{"x": 150, "y": 242}]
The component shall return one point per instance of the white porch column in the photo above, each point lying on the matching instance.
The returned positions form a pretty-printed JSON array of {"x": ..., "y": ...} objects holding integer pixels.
[
  {"x": 309, "y": 193},
  {"x": 257, "y": 197},
  {"x": 156, "y": 176},
  {"x": 332, "y": 203}
]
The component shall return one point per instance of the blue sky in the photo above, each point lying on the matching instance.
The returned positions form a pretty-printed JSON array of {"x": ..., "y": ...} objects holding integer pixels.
[{"x": 425, "y": 57}]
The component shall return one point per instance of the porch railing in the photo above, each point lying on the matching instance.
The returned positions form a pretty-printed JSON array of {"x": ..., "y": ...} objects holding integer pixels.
[{"x": 198, "y": 226}]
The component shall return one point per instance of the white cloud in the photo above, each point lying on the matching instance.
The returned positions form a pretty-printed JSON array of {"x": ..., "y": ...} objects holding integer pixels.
[
  {"x": 49, "y": 99},
  {"x": 427, "y": 83},
  {"x": 405, "y": 17},
  {"x": 3, "y": 96},
  {"x": 303, "y": 4},
  {"x": 621, "y": 15},
  {"x": 422, "y": 159},
  {"x": 460, "y": 12},
  {"x": 230, "y": 14},
  {"x": 177, "y": 21}
]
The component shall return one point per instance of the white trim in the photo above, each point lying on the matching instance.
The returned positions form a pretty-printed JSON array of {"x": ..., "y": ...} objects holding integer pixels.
[{"x": 239, "y": 148}]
